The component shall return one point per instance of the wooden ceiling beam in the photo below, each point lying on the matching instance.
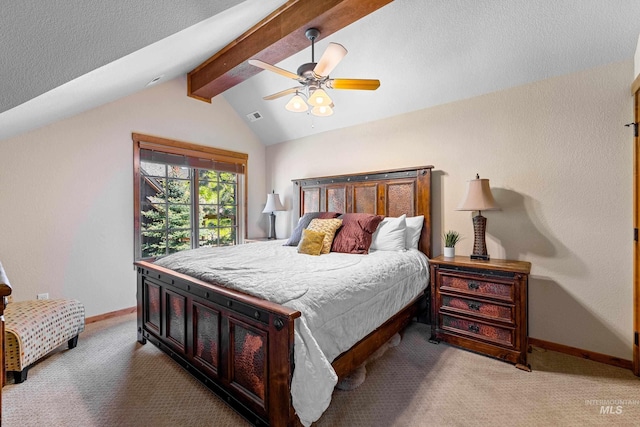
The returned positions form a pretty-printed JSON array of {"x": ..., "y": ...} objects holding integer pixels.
[{"x": 275, "y": 38}]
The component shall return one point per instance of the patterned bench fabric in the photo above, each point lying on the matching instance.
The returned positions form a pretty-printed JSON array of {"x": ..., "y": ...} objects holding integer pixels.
[{"x": 34, "y": 328}]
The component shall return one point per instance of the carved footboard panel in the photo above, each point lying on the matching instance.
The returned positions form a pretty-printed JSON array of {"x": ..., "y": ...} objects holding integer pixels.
[{"x": 239, "y": 346}]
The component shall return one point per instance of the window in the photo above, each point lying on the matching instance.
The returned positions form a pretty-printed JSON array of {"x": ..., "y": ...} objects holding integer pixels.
[{"x": 186, "y": 196}]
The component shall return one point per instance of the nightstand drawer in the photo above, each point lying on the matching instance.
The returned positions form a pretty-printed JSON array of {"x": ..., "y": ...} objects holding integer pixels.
[
  {"x": 473, "y": 286},
  {"x": 497, "y": 335},
  {"x": 490, "y": 311}
]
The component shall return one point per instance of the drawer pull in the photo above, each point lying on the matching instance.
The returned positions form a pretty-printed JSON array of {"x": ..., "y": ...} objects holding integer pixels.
[
  {"x": 474, "y": 306},
  {"x": 474, "y": 286},
  {"x": 474, "y": 328}
]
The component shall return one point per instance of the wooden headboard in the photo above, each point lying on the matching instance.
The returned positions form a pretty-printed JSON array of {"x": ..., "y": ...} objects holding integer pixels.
[{"x": 388, "y": 193}]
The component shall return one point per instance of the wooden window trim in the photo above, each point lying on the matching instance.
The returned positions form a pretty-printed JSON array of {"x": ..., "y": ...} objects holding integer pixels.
[{"x": 172, "y": 146}]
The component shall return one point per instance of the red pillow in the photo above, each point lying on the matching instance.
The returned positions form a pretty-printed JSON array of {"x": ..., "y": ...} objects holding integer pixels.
[{"x": 354, "y": 237}]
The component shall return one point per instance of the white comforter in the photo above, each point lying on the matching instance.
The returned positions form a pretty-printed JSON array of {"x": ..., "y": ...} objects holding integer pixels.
[{"x": 342, "y": 298}]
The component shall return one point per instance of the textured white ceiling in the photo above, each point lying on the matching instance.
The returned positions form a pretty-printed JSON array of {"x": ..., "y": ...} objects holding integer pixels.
[
  {"x": 63, "y": 58},
  {"x": 47, "y": 43}
]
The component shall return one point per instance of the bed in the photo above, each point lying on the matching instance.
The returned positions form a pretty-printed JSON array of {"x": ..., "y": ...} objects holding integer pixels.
[{"x": 242, "y": 346}]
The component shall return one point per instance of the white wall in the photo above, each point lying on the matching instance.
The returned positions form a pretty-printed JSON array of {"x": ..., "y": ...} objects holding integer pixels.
[
  {"x": 66, "y": 192},
  {"x": 560, "y": 165}
]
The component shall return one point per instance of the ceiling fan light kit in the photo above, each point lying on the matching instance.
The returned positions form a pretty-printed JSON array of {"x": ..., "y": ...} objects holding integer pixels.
[
  {"x": 322, "y": 110},
  {"x": 297, "y": 104},
  {"x": 319, "y": 98},
  {"x": 314, "y": 77}
]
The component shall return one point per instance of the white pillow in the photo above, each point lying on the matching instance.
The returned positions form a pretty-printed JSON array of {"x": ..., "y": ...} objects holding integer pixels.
[
  {"x": 414, "y": 228},
  {"x": 390, "y": 235}
]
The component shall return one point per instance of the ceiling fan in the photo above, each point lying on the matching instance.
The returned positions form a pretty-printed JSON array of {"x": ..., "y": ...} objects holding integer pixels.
[{"x": 314, "y": 77}]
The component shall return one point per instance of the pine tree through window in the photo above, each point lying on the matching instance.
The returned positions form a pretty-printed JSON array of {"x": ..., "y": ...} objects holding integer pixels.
[{"x": 186, "y": 198}]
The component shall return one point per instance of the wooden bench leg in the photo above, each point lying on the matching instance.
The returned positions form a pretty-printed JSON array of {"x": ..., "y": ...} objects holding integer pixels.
[
  {"x": 73, "y": 342},
  {"x": 20, "y": 376}
]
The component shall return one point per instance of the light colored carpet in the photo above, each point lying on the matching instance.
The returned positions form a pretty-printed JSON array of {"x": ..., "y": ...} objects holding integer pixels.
[{"x": 111, "y": 380}]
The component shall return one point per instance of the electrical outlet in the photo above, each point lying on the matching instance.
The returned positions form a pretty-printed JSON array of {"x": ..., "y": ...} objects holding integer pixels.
[{"x": 43, "y": 296}]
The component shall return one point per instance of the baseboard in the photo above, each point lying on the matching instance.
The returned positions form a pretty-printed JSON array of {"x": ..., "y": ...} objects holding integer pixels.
[
  {"x": 584, "y": 354},
  {"x": 110, "y": 315}
]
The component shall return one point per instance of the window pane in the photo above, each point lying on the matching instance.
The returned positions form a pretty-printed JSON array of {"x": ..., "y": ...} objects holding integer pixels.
[
  {"x": 152, "y": 217},
  {"x": 218, "y": 236},
  {"x": 179, "y": 172},
  {"x": 208, "y": 175},
  {"x": 179, "y": 216},
  {"x": 152, "y": 189},
  {"x": 229, "y": 213},
  {"x": 208, "y": 216},
  {"x": 153, "y": 169},
  {"x": 227, "y": 235},
  {"x": 179, "y": 191},
  {"x": 208, "y": 237},
  {"x": 227, "y": 194},
  {"x": 154, "y": 244},
  {"x": 179, "y": 240},
  {"x": 228, "y": 177},
  {"x": 208, "y": 192}
]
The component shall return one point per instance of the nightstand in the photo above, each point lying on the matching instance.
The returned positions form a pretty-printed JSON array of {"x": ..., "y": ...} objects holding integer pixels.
[{"x": 481, "y": 306}]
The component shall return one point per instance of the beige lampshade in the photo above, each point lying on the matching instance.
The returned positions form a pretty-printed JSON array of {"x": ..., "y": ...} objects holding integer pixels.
[
  {"x": 297, "y": 104},
  {"x": 273, "y": 203},
  {"x": 322, "y": 110},
  {"x": 478, "y": 197},
  {"x": 319, "y": 98}
]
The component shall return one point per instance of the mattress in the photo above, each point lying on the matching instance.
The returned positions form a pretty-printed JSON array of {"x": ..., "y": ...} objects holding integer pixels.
[{"x": 342, "y": 298}]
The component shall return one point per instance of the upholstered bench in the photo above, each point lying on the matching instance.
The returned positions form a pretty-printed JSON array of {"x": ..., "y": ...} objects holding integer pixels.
[{"x": 34, "y": 328}]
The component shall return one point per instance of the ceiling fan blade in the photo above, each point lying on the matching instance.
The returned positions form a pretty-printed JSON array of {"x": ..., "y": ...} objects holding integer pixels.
[
  {"x": 281, "y": 93},
  {"x": 357, "y": 84},
  {"x": 265, "y": 66},
  {"x": 330, "y": 58}
]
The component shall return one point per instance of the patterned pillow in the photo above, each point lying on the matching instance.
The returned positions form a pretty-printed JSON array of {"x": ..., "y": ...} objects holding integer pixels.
[
  {"x": 311, "y": 242},
  {"x": 329, "y": 228},
  {"x": 354, "y": 237},
  {"x": 303, "y": 223}
]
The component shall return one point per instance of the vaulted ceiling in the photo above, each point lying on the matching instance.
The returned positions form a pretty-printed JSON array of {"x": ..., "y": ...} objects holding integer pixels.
[{"x": 60, "y": 59}]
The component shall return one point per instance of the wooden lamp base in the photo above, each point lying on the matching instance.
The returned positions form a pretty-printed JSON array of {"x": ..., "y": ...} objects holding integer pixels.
[{"x": 479, "y": 244}]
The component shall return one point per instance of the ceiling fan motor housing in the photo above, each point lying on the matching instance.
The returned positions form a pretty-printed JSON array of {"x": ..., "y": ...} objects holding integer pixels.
[{"x": 306, "y": 70}]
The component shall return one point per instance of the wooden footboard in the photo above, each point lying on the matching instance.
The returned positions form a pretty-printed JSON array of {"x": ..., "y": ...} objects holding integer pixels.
[{"x": 239, "y": 346}]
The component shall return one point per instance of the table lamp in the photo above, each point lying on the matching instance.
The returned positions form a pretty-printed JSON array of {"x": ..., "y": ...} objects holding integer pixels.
[
  {"x": 479, "y": 198},
  {"x": 273, "y": 204}
]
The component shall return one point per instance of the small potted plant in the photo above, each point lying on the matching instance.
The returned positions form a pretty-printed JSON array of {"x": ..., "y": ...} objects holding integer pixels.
[{"x": 450, "y": 239}]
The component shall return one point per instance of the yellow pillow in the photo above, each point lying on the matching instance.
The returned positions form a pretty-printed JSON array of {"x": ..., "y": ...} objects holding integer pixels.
[
  {"x": 328, "y": 227},
  {"x": 311, "y": 242}
]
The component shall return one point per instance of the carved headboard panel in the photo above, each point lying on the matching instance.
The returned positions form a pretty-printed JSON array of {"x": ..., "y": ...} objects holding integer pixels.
[{"x": 388, "y": 193}]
